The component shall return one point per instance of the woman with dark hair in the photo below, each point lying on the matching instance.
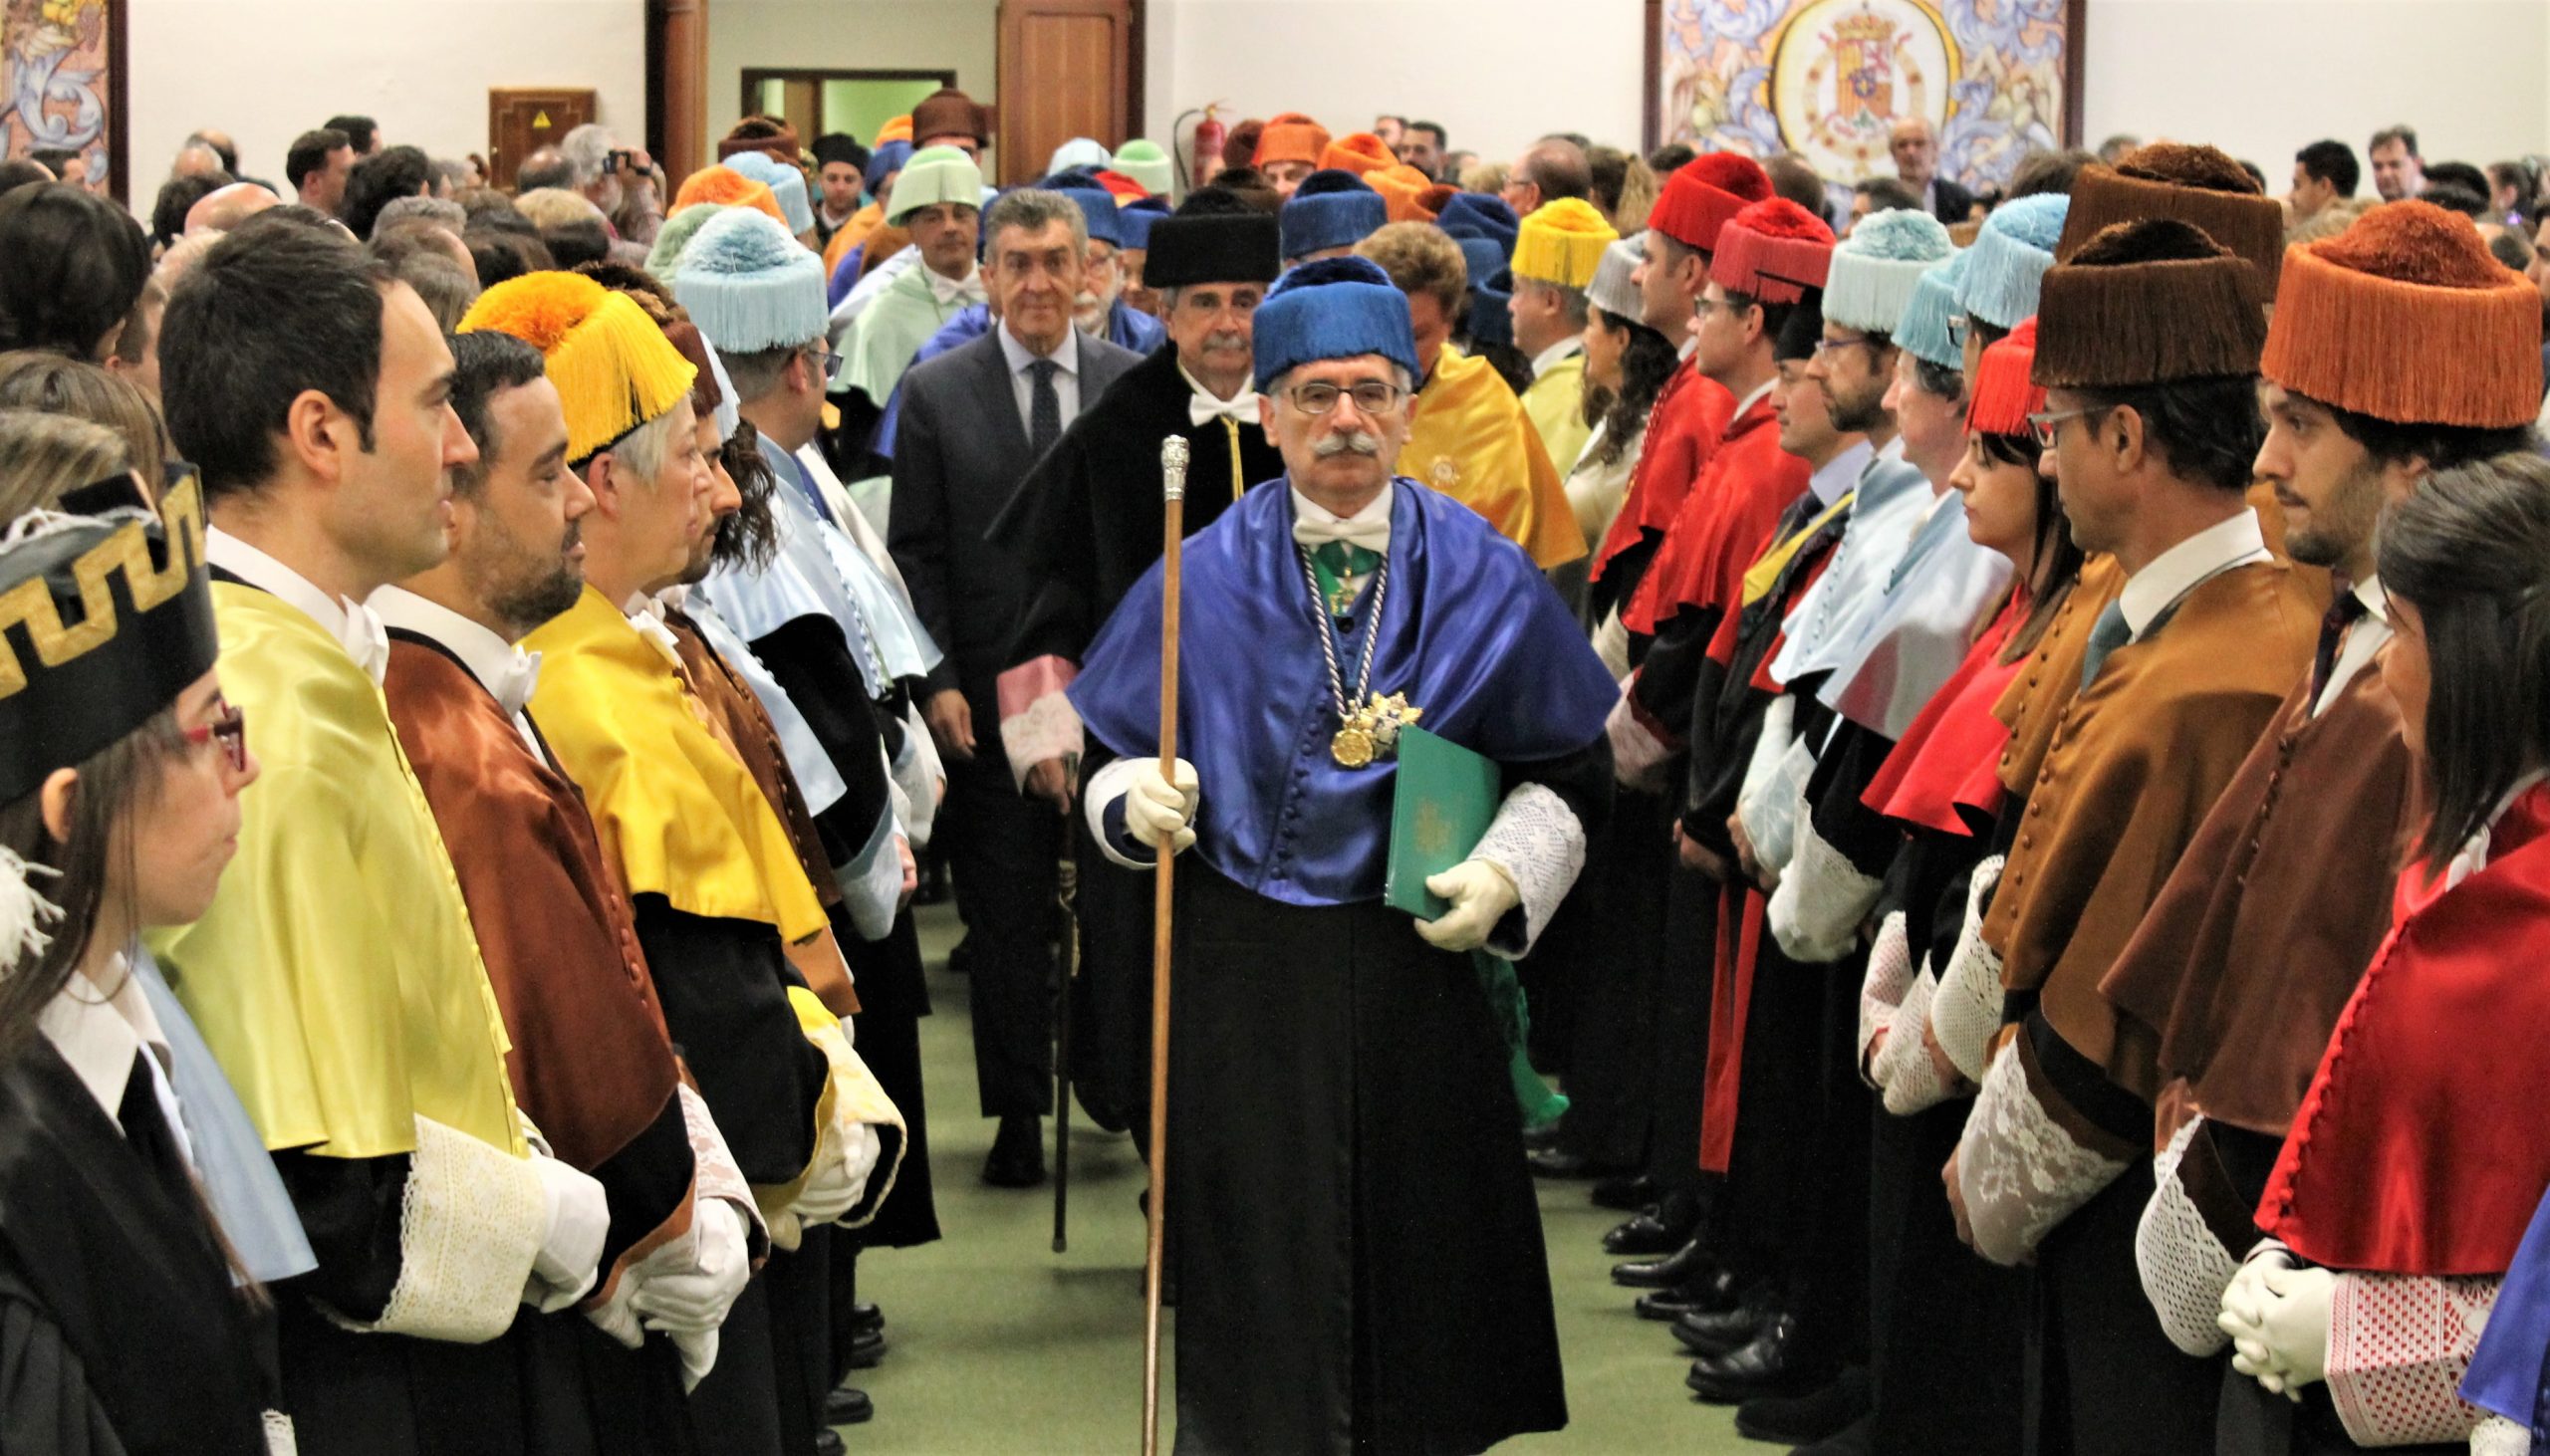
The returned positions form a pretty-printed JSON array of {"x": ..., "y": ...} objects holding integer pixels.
[
  {"x": 123, "y": 1321},
  {"x": 1626, "y": 365},
  {"x": 2418, "y": 1159},
  {"x": 74, "y": 267}
]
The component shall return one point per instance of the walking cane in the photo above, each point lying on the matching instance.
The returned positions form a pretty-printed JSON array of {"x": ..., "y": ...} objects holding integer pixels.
[
  {"x": 1066, "y": 888},
  {"x": 1172, "y": 481}
]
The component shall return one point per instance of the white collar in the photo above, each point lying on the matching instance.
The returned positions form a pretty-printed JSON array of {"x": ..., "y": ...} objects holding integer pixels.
[
  {"x": 1020, "y": 356},
  {"x": 1838, "y": 476},
  {"x": 1892, "y": 449},
  {"x": 98, "y": 1035},
  {"x": 1760, "y": 392},
  {"x": 2376, "y": 600},
  {"x": 948, "y": 290},
  {"x": 1369, "y": 527},
  {"x": 2473, "y": 854},
  {"x": 502, "y": 668},
  {"x": 349, "y": 621},
  {"x": 1567, "y": 348},
  {"x": 2235, "y": 541},
  {"x": 1691, "y": 345}
]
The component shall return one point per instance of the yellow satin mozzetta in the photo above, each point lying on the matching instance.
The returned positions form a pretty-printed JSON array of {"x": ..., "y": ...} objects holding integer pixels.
[
  {"x": 336, "y": 976},
  {"x": 675, "y": 808},
  {"x": 1471, "y": 441}
]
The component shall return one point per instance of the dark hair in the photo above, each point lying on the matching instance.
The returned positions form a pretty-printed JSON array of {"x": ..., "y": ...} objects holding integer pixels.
[
  {"x": 2469, "y": 549},
  {"x": 2454, "y": 197},
  {"x": 750, "y": 537},
  {"x": 501, "y": 257},
  {"x": 2040, "y": 173},
  {"x": 270, "y": 312},
  {"x": 23, "y": 171},
  {"x": 360, "y": 132},
  {"x": 1441, "y": 141},
  {"x": 55, "y": 159},
  {"x": 1648, "y": 359},
  {"x": 2520, "y": 176},
  {"x": 2206, "y": 430},
  {"x": 1791, "y": 178},
  {"x": 1775, "y": 317},
  {"x": 2332, "y": 162},
  {"x": 2511, "y": 248},
  {"x": 483, "y": 364},
  {"x": 1947, "y": 381},
  {"x": 1669, "y": 158},
  {"x": 2441, "y": 446},
  {"x": 74, "y": 269},
  {"x": 380, "y": 178},
  {"x": 177, "y": 197},
  {"x": 308, "y": 154},
  {"x": 2404, "y": 133},
  {"x": 580, "y": 241},
  {"x": 1888, "y": 194},
  {"x": 2058, "y": 556}
]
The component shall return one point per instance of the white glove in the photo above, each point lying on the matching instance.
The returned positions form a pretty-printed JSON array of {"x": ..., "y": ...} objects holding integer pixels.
[
  {"x": 836, "y": 1187},
  {"x": 698, "y": 1356},
  {"x": 1157, "y": 810},
  {"x": 579, "y": 1216},
  {"x": 2277, "y": 1315},
  {"x": 691, "y": 1296},
  {"x": 1481, "y": 892}
]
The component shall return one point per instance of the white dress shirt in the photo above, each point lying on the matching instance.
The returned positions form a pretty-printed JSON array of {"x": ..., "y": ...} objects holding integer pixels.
[
  {"x": 1541, "y": 361},
  {"x": 2363, "y": 641},
  {"x": 351, "y": 622},
  {"x": 1022, "y": 384},
  {"x": 1838, "y": 476},
  {"x": 2234, "y": 542},
  {"x": 98, "y": 1035},
  {"x": 1314, "y": 524},
  {"x": 503, "y": 669}
]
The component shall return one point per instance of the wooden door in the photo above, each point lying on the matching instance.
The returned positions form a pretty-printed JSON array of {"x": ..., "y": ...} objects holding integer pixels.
[
  {"x": 1067, "y": 68},
  {"x": 523, "y": 119}
]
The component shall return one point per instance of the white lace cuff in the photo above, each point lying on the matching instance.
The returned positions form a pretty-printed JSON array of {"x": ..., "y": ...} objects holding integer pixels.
[
  {"x": 1967, "y": 1014},
  {"x": 1816, "y": 913},
  {"x": 2498, "y": 1437},
  {"x": 2185, "y": 1266},
  {"x": 1766, "y": 804},
  {"x": 1539, "y": 844},
  {"x": 470, "y": 1224},
  {"x": 2399, "y": 1346},
  {"x": 1036, "y": 720},
  {"x": 1889, "y": 976},
  {"x": 2022, "y": 1173},
  {"x": 1904, "y": 1071}
]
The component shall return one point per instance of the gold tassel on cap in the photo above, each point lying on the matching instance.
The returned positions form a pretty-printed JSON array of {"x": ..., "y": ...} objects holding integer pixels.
[{"x": 612, "y": 366}]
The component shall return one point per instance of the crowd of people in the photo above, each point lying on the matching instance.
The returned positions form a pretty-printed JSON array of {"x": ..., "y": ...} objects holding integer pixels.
[{"x": 2012, "y": 725}]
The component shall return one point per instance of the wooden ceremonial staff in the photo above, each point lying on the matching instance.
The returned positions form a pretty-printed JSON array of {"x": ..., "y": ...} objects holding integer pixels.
[{"x": 1172, "y": 480}]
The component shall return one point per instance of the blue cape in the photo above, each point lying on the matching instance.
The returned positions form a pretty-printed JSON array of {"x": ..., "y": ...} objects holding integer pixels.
[{"x": 1470, "y": 632}]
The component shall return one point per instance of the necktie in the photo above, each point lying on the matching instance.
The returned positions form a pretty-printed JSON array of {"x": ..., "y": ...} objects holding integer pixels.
[
  {"x": 1336, "y": 562},
  {"x": 2344, "y": 613},
  {"x": 2107, "y": 635},
  {"x": 1044, "y": 407}
]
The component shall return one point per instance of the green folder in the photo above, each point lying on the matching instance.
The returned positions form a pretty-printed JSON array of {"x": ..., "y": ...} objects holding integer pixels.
[{"x": 1446, "y": 795}]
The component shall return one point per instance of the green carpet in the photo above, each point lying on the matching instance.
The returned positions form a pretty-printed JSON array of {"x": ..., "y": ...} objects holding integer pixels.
[{"x": 999, "y": 1344}]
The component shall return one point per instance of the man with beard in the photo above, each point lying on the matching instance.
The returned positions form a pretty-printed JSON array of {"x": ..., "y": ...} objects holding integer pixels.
[
  {"x": 591, "y": 1061},
  {"x": 721, "y": 904},
  {"x": 1100, "y": 308},
  {"x": 336, "y": 976},
  {"x": 1086, "y": 524}
]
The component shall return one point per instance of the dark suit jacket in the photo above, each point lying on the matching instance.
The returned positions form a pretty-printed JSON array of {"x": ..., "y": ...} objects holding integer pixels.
[
  {"x": 1952, "y": 202},
  {"x": 960, "y": 452}
]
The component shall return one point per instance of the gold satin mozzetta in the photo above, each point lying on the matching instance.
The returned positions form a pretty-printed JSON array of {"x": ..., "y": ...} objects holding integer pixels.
[{"x": 1469, "y": 439}]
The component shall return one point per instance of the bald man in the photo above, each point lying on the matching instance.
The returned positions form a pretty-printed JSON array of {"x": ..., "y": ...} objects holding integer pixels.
[
  {"x": 195, "y": 159},
  {"x": 1550, "y": 168},
  {"x": 1916, "y": 161},
  {"x": 224, "y": 208}
]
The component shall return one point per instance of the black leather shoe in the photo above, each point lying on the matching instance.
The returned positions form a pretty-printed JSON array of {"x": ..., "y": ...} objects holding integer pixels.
[
  {"x": 1646, "y": 1234},
  {"x": 1721, "y": 1331},
  {"x": 1713, "y": 1293},
  {"x": 868, "y": 1350},
  {"x": 866, "y": 1316},
  {"x": 828, "y": 1443},
  {"x": 1018, "y": 1154},
  {"x": 1688, "y": 1264},
  {"x": 1859, "y": 1438},
  {"x": 1769, "y": 1365},
  {"x": 848, "y": 1407},
  {"x": 1627, "y": 1193},
  {"x": 1822, "y": 1415}
]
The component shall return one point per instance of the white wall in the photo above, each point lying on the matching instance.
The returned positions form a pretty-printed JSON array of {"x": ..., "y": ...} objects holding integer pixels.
[
  {"x": 886, "y": 35},
  {"x": 266, "y": 70},
  {"x": 2263, "y": 77}
]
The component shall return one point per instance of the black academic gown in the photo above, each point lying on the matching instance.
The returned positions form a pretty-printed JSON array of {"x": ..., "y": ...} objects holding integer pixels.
[
  {"x": 1086, "y": 523},
  {"x": 120, "y": 1327}
]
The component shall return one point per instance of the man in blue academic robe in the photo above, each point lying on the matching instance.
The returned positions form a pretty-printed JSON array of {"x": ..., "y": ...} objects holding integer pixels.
[{"x": 1361, "y": 1257}]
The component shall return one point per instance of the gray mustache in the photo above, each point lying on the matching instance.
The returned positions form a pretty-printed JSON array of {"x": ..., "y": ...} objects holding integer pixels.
[{"x": 1357, "y": 443}]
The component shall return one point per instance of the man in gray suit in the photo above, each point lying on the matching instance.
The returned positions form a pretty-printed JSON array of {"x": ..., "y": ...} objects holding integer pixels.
[{"x": 973, "y": 420}]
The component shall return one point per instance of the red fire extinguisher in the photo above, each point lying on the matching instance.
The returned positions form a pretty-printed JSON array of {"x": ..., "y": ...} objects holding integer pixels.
[{"x": 1211, "y": 135}]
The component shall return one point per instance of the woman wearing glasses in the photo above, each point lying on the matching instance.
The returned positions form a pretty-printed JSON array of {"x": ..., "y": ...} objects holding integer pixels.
[{"x": 123, "y": 1321}]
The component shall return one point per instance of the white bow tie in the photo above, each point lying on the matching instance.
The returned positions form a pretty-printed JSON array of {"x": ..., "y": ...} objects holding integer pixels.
[
  {"x": 513, "y": 686},
  {"x": 1203, "y": 410},
  {"x": 1374, "y": 535},
  {"x": 365, "y": 639},
  {"x": 652, "y": 628}
]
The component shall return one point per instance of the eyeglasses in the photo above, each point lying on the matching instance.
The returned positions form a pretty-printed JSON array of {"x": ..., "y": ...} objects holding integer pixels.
[
  {"x": 1371, "y": 397},
  {"x": 230, "y": 726},
  {"x": 827, "y": 362},
  {"x": 1864, "y": 341},
  {"x": 1957, "y": 323},
  {"x": 2046, "y": 425}
]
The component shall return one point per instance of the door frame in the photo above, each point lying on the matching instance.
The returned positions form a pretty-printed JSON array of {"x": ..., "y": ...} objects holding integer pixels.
[{"x": 755, "y": 76}]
